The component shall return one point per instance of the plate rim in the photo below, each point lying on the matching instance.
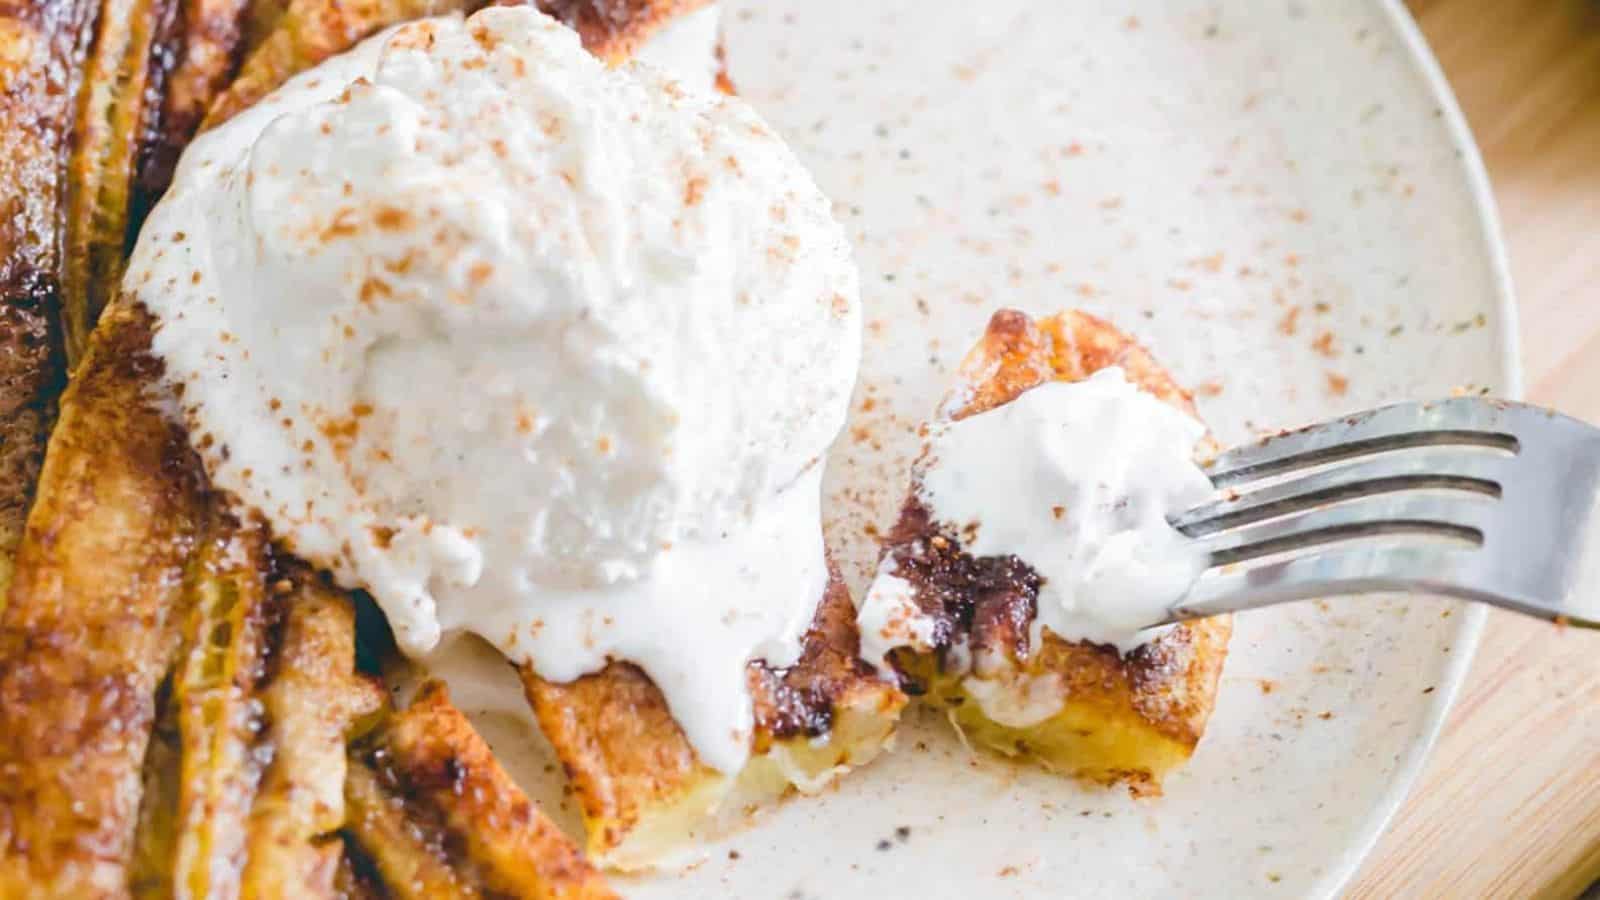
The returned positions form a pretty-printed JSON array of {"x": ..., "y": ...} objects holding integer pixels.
[{"x": 1509, "y": 358}]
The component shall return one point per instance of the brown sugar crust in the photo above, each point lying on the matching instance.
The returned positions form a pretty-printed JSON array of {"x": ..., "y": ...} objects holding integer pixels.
[
  {"x": 614, "y": 30},
  {"x": 429, "y": 758},
  {"x": 194, "y": 57},
  {"x": 176, "y": 702},
  {"x": 41, "y": 52},
  {"x": 309, "y": 31},
  {"x": 625, "y": 754},
  {"x": 799, "y": 701},
  {"x": 1171, "y": 681},
  {"x": 90, "y": 624}
]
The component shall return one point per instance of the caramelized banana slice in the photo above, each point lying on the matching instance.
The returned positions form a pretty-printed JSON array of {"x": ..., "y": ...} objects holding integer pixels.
[
  {"x": 408, "y": 857},
  {"x": 151, "y": 741},
  {"x": 99, "y": 180},
  {"x": 153, "y": 69},
  {"x": 434, "y": 815},
  {"x": 92, "y": 624},
  {"x": 206, "y": 39},
  {"x": 214, "y": 690},
  {"x": 306, "y": 32},
  {"x": 433, "y": 752},
  {"x": 315, "y": 702},
  {"x": 111, "y": 594},
  {"x": 643, "y": 792},
  {"x": 41, "y": 45},
  {"x": 1107, "y": 717}
]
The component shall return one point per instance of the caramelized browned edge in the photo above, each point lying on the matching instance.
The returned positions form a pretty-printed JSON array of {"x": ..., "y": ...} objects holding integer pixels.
[
  {"x": 41, "y": 51},
  {"x": 1014, "y": 354},
  {"x": 91, "y": 626},
  {"x": 430, "y": 755},
  {"x": 76, "y": 72},
  {"x": 128, "y": 496},
  {"x": 624, "y": 753},
  {"x": 614, "y": 30},
  {"x": 313, "y": 30},
  {"x": 194, "y": 57}
]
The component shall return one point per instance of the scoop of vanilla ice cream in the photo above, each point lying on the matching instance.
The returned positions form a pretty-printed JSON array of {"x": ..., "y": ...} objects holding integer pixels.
[{"x": 522, "y": 345}]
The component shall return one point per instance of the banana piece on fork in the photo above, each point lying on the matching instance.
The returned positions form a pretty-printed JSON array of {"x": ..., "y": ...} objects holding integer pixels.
[{"x": 1079, "y": 708}]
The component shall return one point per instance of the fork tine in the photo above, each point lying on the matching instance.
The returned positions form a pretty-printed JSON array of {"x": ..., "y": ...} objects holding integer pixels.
[
  {"x": 1460, "y": 421},
  {"x": 1434, "y": 568},
  {"x": 1444, "y": 468},
  {"x": 1530, "y": 543},
  {"x": 1464, "y": 519}
]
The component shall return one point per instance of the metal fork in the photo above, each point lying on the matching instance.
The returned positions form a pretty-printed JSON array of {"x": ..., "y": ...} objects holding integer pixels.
[{"x": 1472, "y": 498}]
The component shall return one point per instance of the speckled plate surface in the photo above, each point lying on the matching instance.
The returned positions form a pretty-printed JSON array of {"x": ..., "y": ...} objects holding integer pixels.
[{"x": 1281, "y": 200}]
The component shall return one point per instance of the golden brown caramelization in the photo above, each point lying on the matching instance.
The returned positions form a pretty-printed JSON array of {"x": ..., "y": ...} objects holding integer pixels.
[
  {"x": 614, "y": 30},
  {"x": 181, "y": 711},
  {"x": 116, "y": 80},
  {"x": 1116, "y": 718},
  {"x": 306, "y": 32},
  {"x": 176, "y": 708},
  {"x": 91, "y": 625},
  {"x": 195, "y": 55},
  {"x": 313, "y": 703},
  {"x": 41, "y": 53},
  {"x": 152, "y": 67},
  {"x": 642, "y": 790},
  {"x": 429, "y": 759}
]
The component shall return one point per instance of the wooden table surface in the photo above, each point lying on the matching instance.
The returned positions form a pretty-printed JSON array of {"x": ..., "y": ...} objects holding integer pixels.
[{"x": 1509, "y": 803}]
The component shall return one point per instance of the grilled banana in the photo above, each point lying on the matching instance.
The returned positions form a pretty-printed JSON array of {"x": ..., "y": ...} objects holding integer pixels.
[
  {"x": 91, "y": 626},
  {"x": 1128, "y": 719},
  {"x": 41, "y": 51},
  {"x": 100, "y": 168},
  {"x": 209, "y": 39},
  {"x": 316, "y": 702},
  {"x": 178, "y": 706},
  {"x": 643, "y": 792},
  {"x": 427, "y": 763},
  {"x": 306, "y": 32},
  {"x": 174, "y": 718}
]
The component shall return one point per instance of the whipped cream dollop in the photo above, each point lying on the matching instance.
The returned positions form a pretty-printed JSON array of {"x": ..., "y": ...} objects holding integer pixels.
[
  {"x": 522, "y": 345},
  {"x": 1077, "y": 480}
]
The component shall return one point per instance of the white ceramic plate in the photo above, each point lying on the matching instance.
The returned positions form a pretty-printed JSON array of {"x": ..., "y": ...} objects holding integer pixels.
[{"x": 1281, "y": 200}]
